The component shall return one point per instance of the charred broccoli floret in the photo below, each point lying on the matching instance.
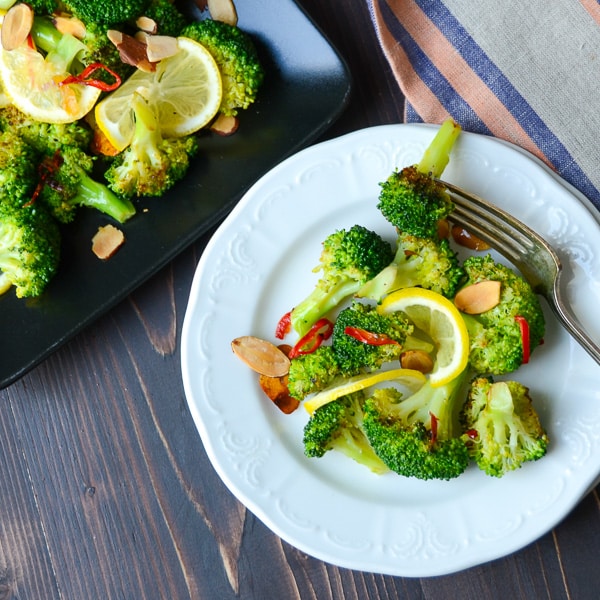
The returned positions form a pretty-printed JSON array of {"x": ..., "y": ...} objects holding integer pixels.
[
  {"x": 58, "y": 167},
  {"x": 67, "y": 184},
  {"x": 311, "y": 373},
  {"x": 410, "y": 199},
  {"x": 338, "y": 426},
  {"x": 419, "y": 262},
  {"x": 151, "y": 164},
  {"x": 348, "y": 260},
  {"x": 29, "y": 249},
  {"x": 501, "y": 428},
  {"x": 418, "y": 436},
  {"x": 502, "y": 337},
  {"x": 236, "y": 56},
  {"x": 363, "y": 340}
]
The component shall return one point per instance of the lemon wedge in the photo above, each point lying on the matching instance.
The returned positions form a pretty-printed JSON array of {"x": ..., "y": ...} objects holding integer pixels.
[
  {"x": 185, "y": 90},
  {"x": 410, "y": 379},
  {"x": 441, "y": 321},
  {"x": 33, "y": 86}
]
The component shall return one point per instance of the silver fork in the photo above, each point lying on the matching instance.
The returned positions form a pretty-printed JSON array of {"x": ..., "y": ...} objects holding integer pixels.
[{"x": 524, "y": 248}]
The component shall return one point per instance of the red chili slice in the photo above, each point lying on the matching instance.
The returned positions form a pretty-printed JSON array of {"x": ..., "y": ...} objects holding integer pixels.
[
  {"x": 434, "y": 428},
  {"x": 316, "y": 335},
  {"x": 284, "y": 326},
  {"x": 369, "y": 337},
  {"x": 525, "y": 337},
  {"x": 85, "y": 77}
]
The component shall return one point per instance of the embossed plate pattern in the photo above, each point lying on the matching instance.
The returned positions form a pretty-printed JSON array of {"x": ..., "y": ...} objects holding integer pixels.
[{"x": 259, "y": 264}]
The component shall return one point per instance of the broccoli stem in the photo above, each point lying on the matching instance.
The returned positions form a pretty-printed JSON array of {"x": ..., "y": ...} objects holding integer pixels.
[
  {"x": 96, "y": 195},
  {"x": 61, "y": 49},
  {"x": 436, "y": 156}
]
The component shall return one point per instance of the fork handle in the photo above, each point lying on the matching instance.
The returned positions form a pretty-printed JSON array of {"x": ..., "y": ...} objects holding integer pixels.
[{"x": 573, "y": 326}]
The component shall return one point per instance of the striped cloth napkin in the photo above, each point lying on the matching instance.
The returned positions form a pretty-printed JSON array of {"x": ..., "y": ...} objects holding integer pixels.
[{"x": 524, "y": 71}]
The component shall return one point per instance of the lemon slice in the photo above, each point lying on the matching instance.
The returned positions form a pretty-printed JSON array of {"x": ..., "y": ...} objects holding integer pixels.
[
  {"x": 32, "y": 85},
  {"x": 407, "y": 378},
  {"x": 185, "y": 90},
  {"x": 441, "y": 321}
]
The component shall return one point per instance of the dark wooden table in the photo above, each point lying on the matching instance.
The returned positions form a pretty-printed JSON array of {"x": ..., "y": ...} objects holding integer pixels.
[{"x": 106, "y": 491}]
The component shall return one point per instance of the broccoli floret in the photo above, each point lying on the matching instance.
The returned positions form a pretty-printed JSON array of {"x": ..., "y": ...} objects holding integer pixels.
[
  {"x": 496, "y": 341},
  {"x": 18, "y": 173},
  {"x": 29, "y": 249},
  {"x": 151, "y": 164},
  {"x": 419, "y": 262},
  {"x": 44, "y": 7},
  {"x": 236, "y": 56},
  {"x": 45, "y": 137},
  {"x": 501, "y": 428},
  {"x": 338, "y": 426},
  {"x": 311, "y": 373},
  {"x": 348, "y": 260},
  {"x": 354, "y": 356},
  {"x": 410, "y": 199},
  {"x": 107, "y": 12},
  {"x": 417, "y": 436},
  {"x": 59, "y": 174},
  {"x": 67, "y": 184},
  {"x": 168, "y": 18}
]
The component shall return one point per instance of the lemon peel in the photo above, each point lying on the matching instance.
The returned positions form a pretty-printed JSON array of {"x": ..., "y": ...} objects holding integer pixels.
[
  {"x": 185, "y": 90},
  {"x": 33, "y": 85},
  {"x": 441, "y": 321},
  {"x": 410, "y": 379}
]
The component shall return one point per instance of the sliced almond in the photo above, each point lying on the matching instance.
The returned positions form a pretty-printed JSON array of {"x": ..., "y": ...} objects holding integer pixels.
[
  {"x": 416, "y": 360},
  {"x": 225, "y": 125},
  {"x": 147, "y": 24},
  {"x": 261, "y": 356},
  {"x": 16, "y": 26},
  {"x": 161, "y": 46},
  {"x": 107, "y": 241},
  {"x": 223, "y": 10},
  {"x": 132, "y": 51},
  {"x": 71, "y": 25},
  {"x": 443, "y": 229},
  {"x": 478, "y": 297},
  {"x": 467, "y": 239},
  {"x": 276, "y": 389}
]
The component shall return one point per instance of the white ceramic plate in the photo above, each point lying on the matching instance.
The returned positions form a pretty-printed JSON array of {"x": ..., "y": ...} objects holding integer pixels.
[{"x": 258, "y": 265}]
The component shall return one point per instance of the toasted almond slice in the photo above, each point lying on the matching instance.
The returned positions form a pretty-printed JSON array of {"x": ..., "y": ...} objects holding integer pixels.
[
  {"x": 107, "y": 241},
  {"x": 416, "y": 360},
  {"x": 276, "y": 389},
  {"x": 147, "y": 24},
  {"x": 16, "y": 26},
  {"x": 160, "y": 46},
  {"x": 467, "y": 239},
  {"x": 478, "y": 297},
  {"x": 131, "y": 50},
  {"x": 225, "y": 125},
  {"x": 223, "y": 10},
  {"x": 71, "y": 25},
  {"x": 261, "y": 356}
]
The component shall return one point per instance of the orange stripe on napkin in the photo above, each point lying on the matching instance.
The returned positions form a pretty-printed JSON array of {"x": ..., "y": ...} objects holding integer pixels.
[
  {"x": 593, "y": 8},
  {"x": 455, "y": 69},
  {"x": 422, "y": 98}
]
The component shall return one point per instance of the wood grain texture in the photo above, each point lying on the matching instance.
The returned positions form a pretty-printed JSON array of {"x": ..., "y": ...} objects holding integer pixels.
[{"x": 107, "y": 493}]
